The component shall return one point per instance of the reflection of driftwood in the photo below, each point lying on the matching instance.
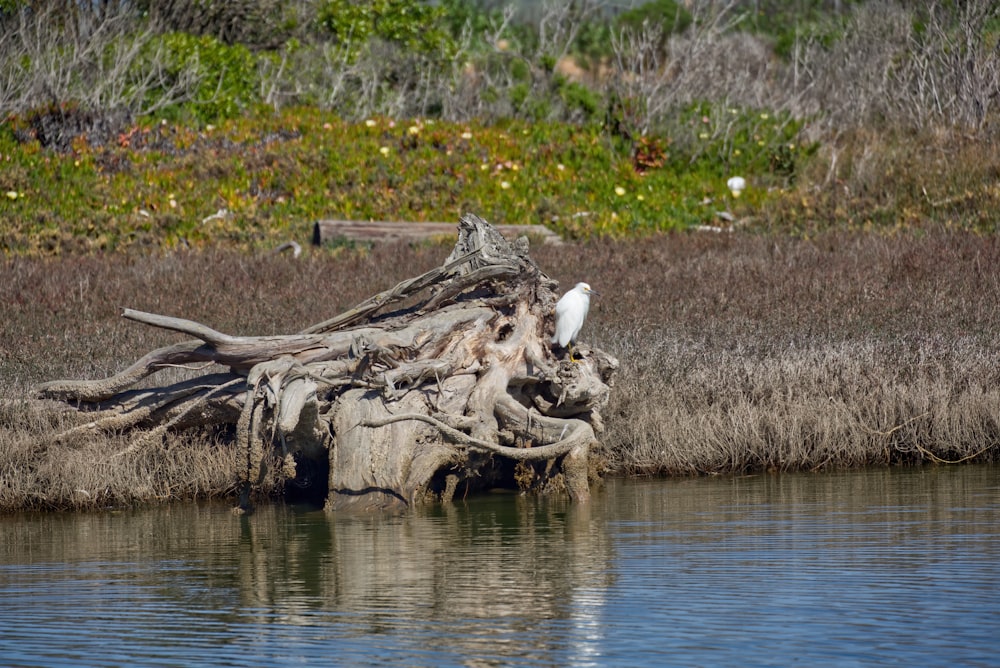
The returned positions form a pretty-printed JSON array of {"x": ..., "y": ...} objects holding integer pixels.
[{"x": 454, "y": 387}]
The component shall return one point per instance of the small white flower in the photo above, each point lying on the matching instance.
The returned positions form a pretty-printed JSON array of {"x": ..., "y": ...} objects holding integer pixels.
[{"x": 736, "y": 185}]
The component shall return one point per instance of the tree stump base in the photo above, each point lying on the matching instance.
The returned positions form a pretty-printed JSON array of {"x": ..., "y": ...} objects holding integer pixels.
[{"x": 458, "y": 392}]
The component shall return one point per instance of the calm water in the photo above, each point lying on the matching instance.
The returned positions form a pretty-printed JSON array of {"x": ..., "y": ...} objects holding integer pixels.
[{"x": 855, "y": 569}]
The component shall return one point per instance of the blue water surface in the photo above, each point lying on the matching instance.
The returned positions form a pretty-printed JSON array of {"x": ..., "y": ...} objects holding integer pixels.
[{"x": 869, "y": 568}]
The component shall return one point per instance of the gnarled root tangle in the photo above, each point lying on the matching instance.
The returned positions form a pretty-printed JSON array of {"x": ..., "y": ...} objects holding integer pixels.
[{"x": 455, "y": 390}]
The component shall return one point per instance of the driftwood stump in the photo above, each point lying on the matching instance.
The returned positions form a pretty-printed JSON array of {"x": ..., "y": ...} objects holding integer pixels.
[{"x": 458, "y": 391}]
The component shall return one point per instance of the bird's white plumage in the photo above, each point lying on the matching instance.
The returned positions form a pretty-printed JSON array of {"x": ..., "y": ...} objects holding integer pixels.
[{"x": 571, "y": 311}]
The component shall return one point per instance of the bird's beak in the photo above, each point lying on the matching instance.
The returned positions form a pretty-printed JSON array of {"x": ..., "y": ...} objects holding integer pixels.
[{"x": 595, "y": 292}]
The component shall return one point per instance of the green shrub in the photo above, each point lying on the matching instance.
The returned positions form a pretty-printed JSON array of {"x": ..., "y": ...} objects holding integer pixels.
[
  {"x": 668, "y": 15},
  {"x": 580, "y": 100},
  {"x": 787, "y": 24},
  {"x": 202, "y": 77},
  {"x": 410, "y": 24}
]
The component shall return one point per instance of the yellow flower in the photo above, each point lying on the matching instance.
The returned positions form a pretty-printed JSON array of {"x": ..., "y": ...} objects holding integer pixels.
[
  {"x": 619, "y": 191},
  {"x": 560, "y": 167},
  {"x": 505, "y": 184},
  {"x": 703, "y": 135},
  {"x": 370, "y": 123},
  {"x": 413, "y": 130},
  {"x": 11, "y": 194},
  {"x": 764, "y": 116},
  {"x": 384, "y": 150},
  {"x": 466, "y": 135},
  {"x": 640, "y": 197}
]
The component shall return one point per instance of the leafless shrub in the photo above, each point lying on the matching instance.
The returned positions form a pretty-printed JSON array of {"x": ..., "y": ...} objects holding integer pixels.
[
  {"x": 953, "y": 72},
  {"x": 101, "y": 61},
  {"x": 382, "y": 78},
  {"x": 850, "y": 80},
  {"x": 886, "y": 71},
  {"x": 881, "y": 69},
  {"x": 711, "y": 61},
  {"x": 378, "y": 79},
  {"x": 258, "y": 24},
  {"x": 517, "y": 79}
]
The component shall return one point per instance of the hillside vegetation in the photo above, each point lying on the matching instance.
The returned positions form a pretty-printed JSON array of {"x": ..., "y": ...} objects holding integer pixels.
[{"x": 133, "y": 125}]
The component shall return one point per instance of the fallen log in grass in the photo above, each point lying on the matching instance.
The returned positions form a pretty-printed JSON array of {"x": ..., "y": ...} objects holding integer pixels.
[
  {"x": 337, "y": 231},
  {"x": 456, "y": 388}
]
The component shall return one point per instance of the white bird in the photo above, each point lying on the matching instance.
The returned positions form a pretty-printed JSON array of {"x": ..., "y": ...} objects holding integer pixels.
[{"x": 571, "y": 311}]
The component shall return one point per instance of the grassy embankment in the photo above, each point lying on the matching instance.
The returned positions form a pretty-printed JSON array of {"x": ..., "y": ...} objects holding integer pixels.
[
  {"x": 849, "y": 320},
  {"x": 740, "y": 353}
]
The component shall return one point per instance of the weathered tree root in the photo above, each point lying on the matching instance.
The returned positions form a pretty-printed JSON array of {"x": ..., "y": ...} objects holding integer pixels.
[{"x": 459, "y": 387}]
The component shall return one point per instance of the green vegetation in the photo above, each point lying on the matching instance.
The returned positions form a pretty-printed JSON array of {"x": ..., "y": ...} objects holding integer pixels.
[
  {"x": 241, "y": 125},
  {"x": 272, "y": 175},
  {"x": 410, "y": 25}
]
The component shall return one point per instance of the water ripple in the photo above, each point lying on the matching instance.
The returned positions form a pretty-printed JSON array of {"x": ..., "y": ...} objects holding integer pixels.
[{"x": 881, "y": 568}]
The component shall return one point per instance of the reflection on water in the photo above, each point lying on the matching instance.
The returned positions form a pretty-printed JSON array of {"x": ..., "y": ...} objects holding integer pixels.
[{"x": 866, "y": 568}]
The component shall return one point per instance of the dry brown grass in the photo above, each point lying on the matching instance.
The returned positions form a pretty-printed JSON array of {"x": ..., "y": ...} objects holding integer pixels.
[
  {"x": 61, "y": 320},
  {"x": 747, "y": 353},
  {"x": 897, "y": 178},
  {"x": 739, "y": 352}
]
